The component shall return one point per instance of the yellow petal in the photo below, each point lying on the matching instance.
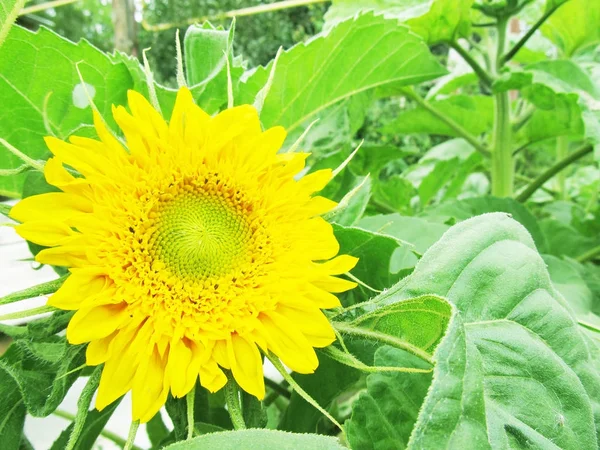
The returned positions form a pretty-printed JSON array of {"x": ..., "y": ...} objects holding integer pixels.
[
  {"x": 220, "y": 354},
  {"x": 246, "y": 365},
  {"x": 211, "y": 376},
  {"x": 45, "y": 232},
  {"x": 149, "y": 390},
  {"x": 96, "y": 322},
  {"x": 318, "y": 205},
  {"x": 334, "y": 284},
  {"x": 289, "y": 343},
  {"x": 339, "y": 265},
  {"x": 58, "y": 176},
  {"x": 315, "y": 181},
  {"x": 80, "y": 286},
  {"x": 58, "y": 205},
  {"x": 321, "y": 298},
  {"x": 114, "y": 149},
  {"x": 98, "y": 351},
  {"x": 84, "y": 160},
  {"x": 180, "y": 357},
  {"x": 146, "y": 115},
  {"x": 311, "y": 322},
  {"x": 65, "y": 256},
  {"x": 233, "y": 122}
]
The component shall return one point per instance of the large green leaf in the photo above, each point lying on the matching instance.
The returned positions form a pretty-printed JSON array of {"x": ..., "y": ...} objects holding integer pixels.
[
  {"x": 434, "y": 20},
  {"x": 39, "y": 85},
  {"x": 259, "y": 439},
  {"x": 460, "y": 210},
  {"x": 515, "y": 369},
  {"x": 9, "y": 11},
  {"x": 314, "y": 75},
  {"x": 474, "y": 113},
  {"x": 574, "y": 26},
  {"x": 12, "y": 413}
]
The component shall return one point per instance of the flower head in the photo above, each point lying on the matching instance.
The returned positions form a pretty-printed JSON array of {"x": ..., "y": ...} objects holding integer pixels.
[{"x": 190, "y": 247}]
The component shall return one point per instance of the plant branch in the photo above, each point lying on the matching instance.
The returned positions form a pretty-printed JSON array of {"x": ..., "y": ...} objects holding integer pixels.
[
  {"x": 28, "y": 313},
  {"x": 556, "y": 168},
  {"x": 232, "y": 398},
  {"x": 278, "y": 388},
  {"x": 242, "y": 12},
  {"x": 49, "y": 287},
  {"x": 467, "y": 136},
  {"x": 513, "y": 51},
  {"x": 589, "y": 255},
  {"x": 483, "y": 75}
]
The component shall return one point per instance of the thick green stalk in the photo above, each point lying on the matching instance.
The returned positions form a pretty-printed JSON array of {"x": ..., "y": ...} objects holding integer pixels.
[
  {"x": 190, "y": 398},
  {"x": 562, "y": 151},
  {"x": 502, "y": 157}
]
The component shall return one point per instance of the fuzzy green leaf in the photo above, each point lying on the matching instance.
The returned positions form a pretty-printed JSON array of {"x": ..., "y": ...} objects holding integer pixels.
[
  {"x": 259, "y": 439},
  {"x": 315, "y": 75},
  {"x": 12, "y": 413}
]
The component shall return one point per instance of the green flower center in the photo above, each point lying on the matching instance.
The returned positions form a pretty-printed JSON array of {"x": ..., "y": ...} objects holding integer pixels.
[{"x": 201, "y": 235}]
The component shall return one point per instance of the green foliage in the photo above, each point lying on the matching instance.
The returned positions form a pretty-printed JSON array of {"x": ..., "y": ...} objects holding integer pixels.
[
  {"x": 264, "y": 439},
  {"x": 574, "y": 26}
]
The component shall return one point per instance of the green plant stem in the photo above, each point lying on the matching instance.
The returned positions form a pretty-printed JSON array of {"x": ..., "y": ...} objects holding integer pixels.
[
  {"x": 28, "y": 313},
  {"x": 502, "y": 157},
  {"x": 189, "y": 399},
  {"x": 242, "y": 12},
  {"x": 278, "y": 388},
  {"x": 104, "y": 433},
  {"x": 131, "y": 437},
  {"x": 41, "y": 289},
  {"x": 589, "y": 255},
  {"x": 562, "y": 151},
  {"x": 523, "y": 119},
  {"x": 556, "y": 168},
  {"x": 345, "y": 328},
  {"x": 45, "y": 6},
  {"x": 83, "y": 406},
  {"x": 483, "y": 75},
  {"x": 232, "y": 397},
  {"x": 447, "y": 120},
  {"x": 513, "y": 51}
]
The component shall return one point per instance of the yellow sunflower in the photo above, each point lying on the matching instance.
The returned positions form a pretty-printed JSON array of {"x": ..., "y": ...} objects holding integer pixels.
[{"x": 190, "y": 247}]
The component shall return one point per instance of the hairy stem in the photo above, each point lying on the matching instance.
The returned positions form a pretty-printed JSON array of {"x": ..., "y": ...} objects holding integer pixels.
[
  {"x": 562, "y": 151},
  {"x": 483, "y": 75},
  {"x": 41, "y": 289},
  {"x": 232, "y": 397},
  {"x": 556, "y": 168},
  {"x": 189, "y": 399},
  {"x": 589, "y": 255},
  {"x": 28, "y": 313},
  {"x": 502, "y": 157},
  {"x": 131, "y": 437},
  {"x": 447, "y": 120}
]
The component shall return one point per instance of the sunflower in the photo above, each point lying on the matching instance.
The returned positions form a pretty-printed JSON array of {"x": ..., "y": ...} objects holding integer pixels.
[{"x": 191, "y": 247}]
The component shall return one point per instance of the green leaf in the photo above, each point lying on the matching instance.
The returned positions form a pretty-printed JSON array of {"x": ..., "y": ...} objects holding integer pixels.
[
  {"x": 434, "y": 20},
  {"x": 515, "y": 369},
  {"x": 9, "y": 10},
  {"x": 394, "y": 193},
  {"x": 259, "y": 439},
  {"x": 418, "y": 232},
  {"x": 56, "y": 101},
  {"x": 157, "y": 430},
  {"x": 384, "y": 416},
  {"x": 352, "y": 206},
  {"x": 42, "y": 370},
  {"x": 12, "y": 413},
  {"x": 474, "y": 113},
  {"x": 206, "y": 50},
  {"x": 460, "y": 210},
  {"x": 315, "y": 75},
  {"x": 574, "y": 26},
  {"x": 374, "y": 251},
  {"x": 564, "y": 240}
]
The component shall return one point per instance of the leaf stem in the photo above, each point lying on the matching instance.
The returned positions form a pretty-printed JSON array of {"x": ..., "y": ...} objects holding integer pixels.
[
  {"x": 589, "y": 255},
  {"x": 28, "y": 313},
  {"x": 83, "y": 406},
  {"x": 345, "y": 328},
  {"x": 562, "y": 151},
  {"x": 38, "y": 165},
  {"x": 275, "y": 386},
  {"x": 556, "y": 168},
  {"x": 513, "y": 51},
  {"x": 232, "y": 397},
  {"x": 301, "y": 392},
  {"x": 483, "y": 75},
  {"x": 447, "y": 120},
  {"x": 189, "y": 399},
  {"x": 35, "y": 291},
  {"x": 44, "y": 6}
]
